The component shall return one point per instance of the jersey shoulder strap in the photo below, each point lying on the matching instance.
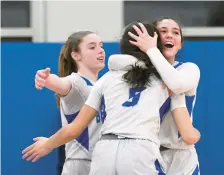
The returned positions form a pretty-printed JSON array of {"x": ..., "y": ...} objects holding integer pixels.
[
  {"x": 87, "y": 81},
  {"x": 178, "y": 64}
]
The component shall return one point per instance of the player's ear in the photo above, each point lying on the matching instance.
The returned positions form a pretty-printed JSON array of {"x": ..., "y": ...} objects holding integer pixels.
[{"x": 76, "y": 56}]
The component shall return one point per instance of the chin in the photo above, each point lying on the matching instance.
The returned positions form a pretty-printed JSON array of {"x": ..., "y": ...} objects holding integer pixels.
[
  {"x": 169, "y": 55},
  {"x": 100, "y": 66}
]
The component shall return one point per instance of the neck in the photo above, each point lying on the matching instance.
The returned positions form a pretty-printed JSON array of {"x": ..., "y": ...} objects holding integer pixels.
[
  {"x": 90, "y": 74},
  {"x": 171, "y": 60}
]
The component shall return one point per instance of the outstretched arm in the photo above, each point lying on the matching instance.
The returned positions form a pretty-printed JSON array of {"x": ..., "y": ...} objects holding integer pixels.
[
  {"x": 59, "y": 85},
  {"x": 44, "y": 146}
]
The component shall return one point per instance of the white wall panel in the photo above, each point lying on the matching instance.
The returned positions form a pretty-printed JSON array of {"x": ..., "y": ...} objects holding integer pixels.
[{"x": 65, "y": 17}]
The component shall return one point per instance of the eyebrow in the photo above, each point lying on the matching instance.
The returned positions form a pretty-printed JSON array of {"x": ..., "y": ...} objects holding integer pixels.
[
  {"x": 94, "y": 43},
  {"x": 172, "y": 28}
]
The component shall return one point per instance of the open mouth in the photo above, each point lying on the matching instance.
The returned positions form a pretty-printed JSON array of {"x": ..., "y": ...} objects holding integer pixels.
[
  {"x": 100, "y": 58},
  {"x": 168, "y": 45}
]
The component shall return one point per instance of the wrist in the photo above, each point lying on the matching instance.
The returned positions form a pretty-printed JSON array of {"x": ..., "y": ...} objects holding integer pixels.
[
  {"x": 48, "y": 145},
  {"x": 177, "y": 101},
  {"x": 49, "y": 80},
  {"x": 151, "y": 51}
]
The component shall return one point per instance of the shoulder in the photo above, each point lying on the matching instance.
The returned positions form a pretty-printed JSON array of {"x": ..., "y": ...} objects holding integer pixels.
[
  {"x": 112, "y": 74},
  {"x": 102, "y": 80},
  {"x": 123, "y": 62},
  {"x": 74, "y": 77},
  {"x": 189, "y": 65},
  {"x": 117, "y": 56},
  {"x": 189, "y": 68},
  {"x": 109, "y": 79}
]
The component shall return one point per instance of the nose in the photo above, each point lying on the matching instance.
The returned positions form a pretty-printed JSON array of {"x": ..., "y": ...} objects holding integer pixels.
[
  {"x": 169, "y": 35},
  {"x": 101, "y": 50}
]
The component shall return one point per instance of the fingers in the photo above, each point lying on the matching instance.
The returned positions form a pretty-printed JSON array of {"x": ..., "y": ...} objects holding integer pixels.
[
  {"x": 28, "y": 153},
  {"x": 41, "y": 73},
  {"x": 144, "y": 31},
  {"x": 36, "y": 158},
  {"x": 32, "y": 156},
  {"x": 170, "y": 92},
  {"x": 35, "y": 151},
  {"x": 39, "y": 85},
  {"x": 133, "y": 36},
  {"x": 47, "y": 71},
  {"x": 139, "y": 32},
  {"x": 133, "y": 42},
  {"x": 37, "y": 138},
  {"x": 40, "y": 78},
  {"x": 155, "y": 35},
  {"x": 28, "y": 148},
  {"x": 164, "y": 85},
  {"x": 143, "y": 41}
]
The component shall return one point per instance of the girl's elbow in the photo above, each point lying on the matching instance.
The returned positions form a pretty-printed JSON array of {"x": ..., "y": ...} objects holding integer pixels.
[
  {"x": 191, "y": 138},
  {"x": 71, "y": 134},
  {"x": 177, "y": 89}
]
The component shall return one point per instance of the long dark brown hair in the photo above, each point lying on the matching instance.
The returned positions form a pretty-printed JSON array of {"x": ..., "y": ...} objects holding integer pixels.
[{"x": 138, "y": 76}]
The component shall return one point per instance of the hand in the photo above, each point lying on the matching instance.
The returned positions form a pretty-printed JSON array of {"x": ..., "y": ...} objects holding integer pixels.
[
  {"x": 143, "y": 41},
  {"x": 165, "y": 87},
  {"x": 36, "y": 150},
  {"x": 41, "y": 78}
]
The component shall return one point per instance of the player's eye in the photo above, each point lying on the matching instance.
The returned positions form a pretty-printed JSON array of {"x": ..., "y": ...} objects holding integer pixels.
[
  {"x": 176, "y": 33},
  {"x": 92, "y": 47},
  {"x": 162, "y": 31}
]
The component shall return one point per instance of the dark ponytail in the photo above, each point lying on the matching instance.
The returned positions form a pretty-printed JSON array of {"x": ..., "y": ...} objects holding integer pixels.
[{"x": 139, "y": 76}]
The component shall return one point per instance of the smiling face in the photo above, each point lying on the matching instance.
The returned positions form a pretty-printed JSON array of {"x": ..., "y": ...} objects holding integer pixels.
[
  {"x": 171, "y": 37},
  {"x": 91, "y": 53}
]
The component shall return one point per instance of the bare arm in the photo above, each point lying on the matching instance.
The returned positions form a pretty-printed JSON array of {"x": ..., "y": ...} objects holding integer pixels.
[
  {"x": 189, "y": 134},
  {"x": 74, "y": 129},
  {"x": 59, "y": 85},
  {"x": 43, "y": 146}
]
